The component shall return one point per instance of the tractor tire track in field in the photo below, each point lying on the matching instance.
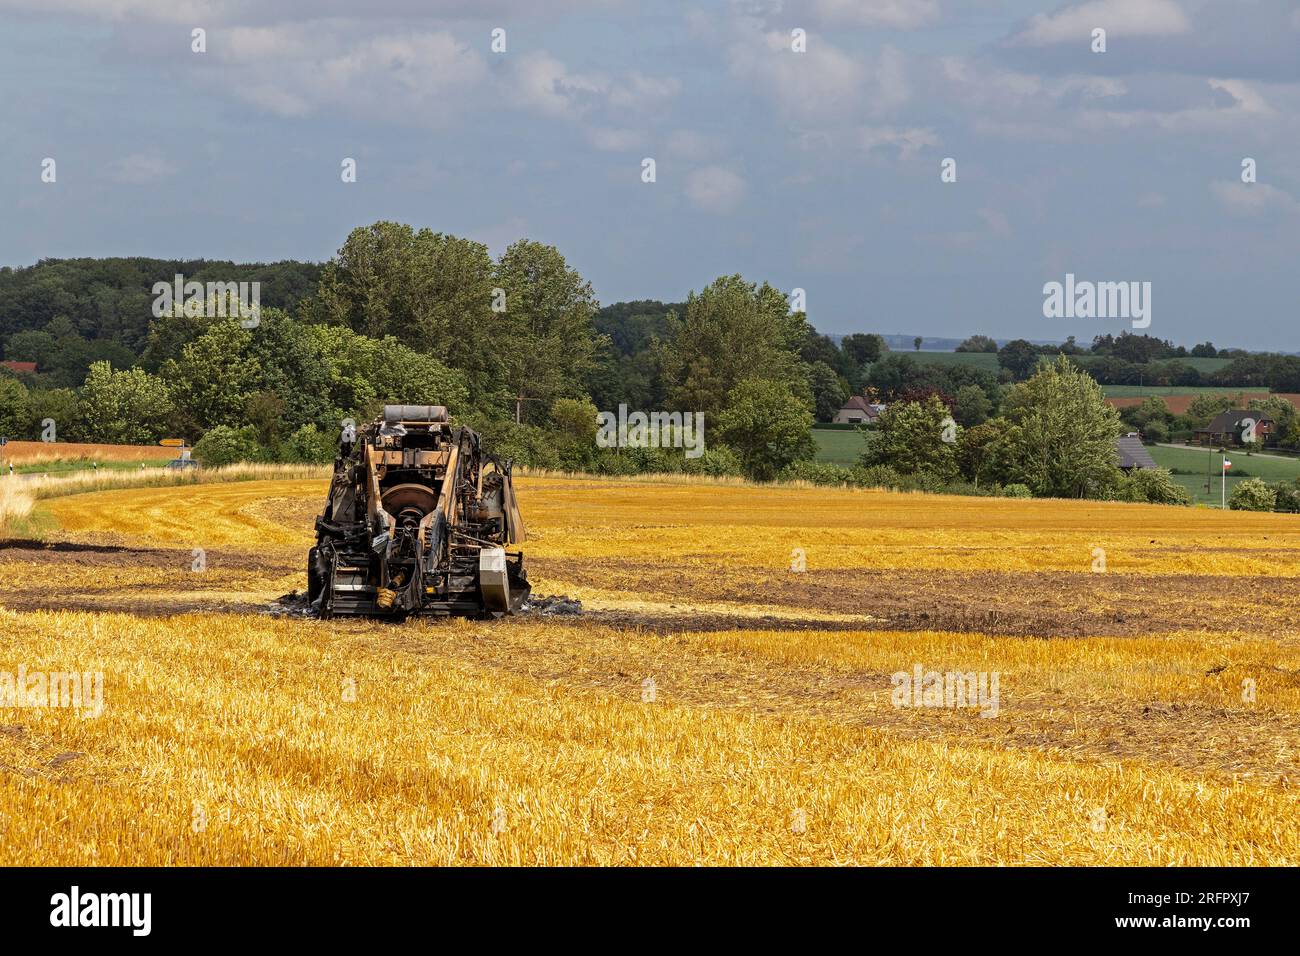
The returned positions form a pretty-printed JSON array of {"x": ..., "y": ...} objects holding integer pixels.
[
  {"x": 1031, "y": 604},
  {"x": 1042, "y": 604},
  {"x": 1232, "y": 742}
]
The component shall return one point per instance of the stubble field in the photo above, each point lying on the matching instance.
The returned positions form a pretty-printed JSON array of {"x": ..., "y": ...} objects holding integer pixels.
[{"x": 726, "y": 696}]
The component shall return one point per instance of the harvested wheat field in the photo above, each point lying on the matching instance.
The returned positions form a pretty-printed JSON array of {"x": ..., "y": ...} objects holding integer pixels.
[
  {"x": 727, "y": 696},
  {"x": 28, "y": 452}
]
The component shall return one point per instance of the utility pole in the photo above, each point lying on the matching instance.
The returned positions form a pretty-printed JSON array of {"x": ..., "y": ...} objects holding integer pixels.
[{"x": 1223, "y": 492}]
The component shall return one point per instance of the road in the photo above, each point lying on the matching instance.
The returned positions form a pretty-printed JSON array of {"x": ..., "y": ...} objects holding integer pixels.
[{"x": 1256, "y": 454}]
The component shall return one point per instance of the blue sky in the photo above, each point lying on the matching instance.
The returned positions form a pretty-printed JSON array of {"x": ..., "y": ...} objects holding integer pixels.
[{"x": 817, "y": 170}]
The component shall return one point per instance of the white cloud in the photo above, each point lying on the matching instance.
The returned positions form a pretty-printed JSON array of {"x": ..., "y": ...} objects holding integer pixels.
[
  {"x": 977, "y": 81},
  {"x": 995, "y": 226},
  {"x": 614, "y": 140},
  {"x": 908, "y": 141},
  {"x": 182, "y": 11},
  {"x": 547, "y": 84},
  {"x": 1253, "y": 199},
  {"x": 209, "y": 13},
  {"x": 1077, "y": 107},
  {"x": 1247, "y": 108},
  {"x": 824, "y": 81},
  {"x": 902, "y": 14},
  {"x": 420, "y": 78},
  {"x": 1117, "y": 17},
  {"x": 542, "y": 81},
  {"x": 1088, "y": 87},
  {"x": 640, "y": 92},
  {"x": 1244, "y": 96},
  {"x": 426, "y": 79},
  {"x": 715, "y": 189},
  {"x": 140, "y": 168}
]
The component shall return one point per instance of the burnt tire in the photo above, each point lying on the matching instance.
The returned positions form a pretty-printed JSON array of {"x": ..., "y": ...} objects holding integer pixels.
[{"x": 315, "y": 576}]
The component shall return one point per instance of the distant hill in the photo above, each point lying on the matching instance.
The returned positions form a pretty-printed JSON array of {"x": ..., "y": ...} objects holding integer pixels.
[
  {"x": 111, "y": 299},
  {"x": 899, "y": 342}
]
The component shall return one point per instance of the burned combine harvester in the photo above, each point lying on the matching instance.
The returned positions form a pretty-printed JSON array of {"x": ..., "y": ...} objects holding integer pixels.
[{"x": 417, "y": 522}]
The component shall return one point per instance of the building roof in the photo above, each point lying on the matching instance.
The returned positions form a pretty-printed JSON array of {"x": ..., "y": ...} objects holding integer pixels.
[
  {"x": 1230, "y": 421},
  {"x": 20, "y": 366},
  {"x": 1132, "y": 454},
  {"x": 856, "y": 403}
]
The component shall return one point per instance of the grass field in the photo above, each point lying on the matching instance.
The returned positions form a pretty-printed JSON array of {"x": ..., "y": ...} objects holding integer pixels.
[
  {"x": 711, "y": 704},
  {"x": 839, "y": 446},
  {"x": 1189, "y": 468},
  {"x": 984, "y": 360},
  {"x": 1202, "y": 365},
  {"x": 989, "y": 361},
  {"x": 34, "y": 453},
  {"x": 843, "y": 448},
  {"x": 1142, "y": 391},
  {"x": 56, "y": 466},
  {"x": 1205, "y": 366}
]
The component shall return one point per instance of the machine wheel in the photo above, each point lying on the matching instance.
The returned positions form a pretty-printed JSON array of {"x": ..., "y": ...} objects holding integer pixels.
[{"x": 315, "y": 579}]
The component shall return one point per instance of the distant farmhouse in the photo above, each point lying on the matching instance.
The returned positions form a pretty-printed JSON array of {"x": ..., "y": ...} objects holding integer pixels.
[
  {"x": 1228, "y": 428},
  {"x": 858, "y": 411},
  {"x": 29, "y": 367},
  {"x": 1131, "y": 453}
]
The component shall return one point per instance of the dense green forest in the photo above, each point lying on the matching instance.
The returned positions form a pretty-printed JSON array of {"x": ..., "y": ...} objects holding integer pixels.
[{"x": 519, "y": 347}]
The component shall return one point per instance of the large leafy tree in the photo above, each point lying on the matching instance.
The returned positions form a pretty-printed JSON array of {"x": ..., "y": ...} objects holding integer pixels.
[
  {"x": 863, "y": 348},
  {"x": 433, "y": 292},
  {"x": 829, "y": 392},
  {"x": 31, "y": 346},
  {"x": 295, "y": 375},
  {"x": 544, "y": 339},
  {"x": 735, "y": 330},
  {"x": 169, "y": 334},
  {"x": 977, "y": 343},
  {"x": 1202, "y": 409},
  {"x": 971, "y": 405},
  {"x": 1018, "y": 357},
  {"x": 916, "y": 438},
  {"x": 369, "y": 284},
  {"x": 895, "y": 374},
  {"x": 768, "y": 426},
  {"x": 124, "y": 407},
  {"x": 212, "y": 380},
  {"x": 400, "y": 375},
  {"x": 363, "y": 374},
  {"x": 1064, "y": 432},
  {"x": 985, "y": 451},
  {"x": 14, "y": 413}
]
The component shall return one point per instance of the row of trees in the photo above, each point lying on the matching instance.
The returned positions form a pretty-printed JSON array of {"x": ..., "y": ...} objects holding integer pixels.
[
  {"x": 1054, "y": 436},
  {"x": 1129, "y": 359},
  {"x": 1157, "y": 423},
  {"x": 107, "y": 304},
  {"x": 280, "y": 379},
  {"x": 510, "y": 345},
  {"x": 518, "y": 347}
]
